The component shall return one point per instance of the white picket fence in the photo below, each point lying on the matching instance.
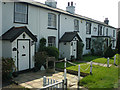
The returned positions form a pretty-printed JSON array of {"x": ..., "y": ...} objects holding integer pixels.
[{"x": 50, "y": 84}]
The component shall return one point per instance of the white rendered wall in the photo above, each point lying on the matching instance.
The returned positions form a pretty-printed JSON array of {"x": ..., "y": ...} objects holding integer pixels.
[
  {"x": 37, "y": 21},
  {"x": 65, "y": 50},
  {"x": 6, "y": 49}
]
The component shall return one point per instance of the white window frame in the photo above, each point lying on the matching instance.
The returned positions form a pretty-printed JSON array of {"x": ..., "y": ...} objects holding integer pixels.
[
  {"x": 106, "y": 31},
  {"x": 100, "y": 30},
  {"x": 20, "y": 13},
  {"x": 76, "y": 25},
  {"x": 52, "y": 41},
  {"x": 113, "y": 33},
  {"x": 88, "y": 43},
  {"x": 88, "y": 28},
  {"x": 51, "y": 20}
]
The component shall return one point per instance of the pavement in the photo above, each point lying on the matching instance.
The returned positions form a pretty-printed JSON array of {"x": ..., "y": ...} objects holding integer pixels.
[{"x": 35, "y": 79}]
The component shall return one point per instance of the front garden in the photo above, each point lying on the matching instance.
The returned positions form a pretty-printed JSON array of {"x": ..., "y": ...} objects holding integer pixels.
[{"x": 102, "y": 77}]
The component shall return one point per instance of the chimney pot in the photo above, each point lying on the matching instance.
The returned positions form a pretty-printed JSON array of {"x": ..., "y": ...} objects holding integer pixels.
[
  {"x": 68, "y": 3},
  {"x": 71, "y": 3}
]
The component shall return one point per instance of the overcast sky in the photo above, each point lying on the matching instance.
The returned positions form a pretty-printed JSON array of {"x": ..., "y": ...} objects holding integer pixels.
[{"x": 96, "y": 9}]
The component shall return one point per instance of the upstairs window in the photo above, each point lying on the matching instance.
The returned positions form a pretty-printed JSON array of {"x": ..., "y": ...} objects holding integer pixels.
[
  {"x": 113, "y": 33},
  {"x": 99, "y": 30},
  {"x": 52, "y": 41},
  {"x": 88, "y": 28},
  {"x": 51, "y": 20},
  {"x": 76, "y": 25},
  {"x": 107, "y": 32},
  {"x": 20, "y": 13}
]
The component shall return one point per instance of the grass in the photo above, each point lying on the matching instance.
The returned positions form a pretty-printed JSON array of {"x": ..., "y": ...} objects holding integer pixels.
[
  {"x": 104, "y": 60},
  {"x": 102, "y": 77}
]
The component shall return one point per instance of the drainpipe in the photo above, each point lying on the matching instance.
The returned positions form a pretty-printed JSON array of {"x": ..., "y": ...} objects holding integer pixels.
[{"x": 58, "y": 28}]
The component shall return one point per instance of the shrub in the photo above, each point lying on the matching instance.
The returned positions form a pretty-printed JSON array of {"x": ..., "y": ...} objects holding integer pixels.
[
  {"x": 80, "y": 50},
  {"x": 92, "y": 51},
  {"x": 40, "y": 59},
  {"x": 109, "y": 52},
  {"x": 42, "y": 44},
  {"x": 118, "y": 42},
  {"x": 52, "y": 51},
  {"x": 8, "y": 64}
]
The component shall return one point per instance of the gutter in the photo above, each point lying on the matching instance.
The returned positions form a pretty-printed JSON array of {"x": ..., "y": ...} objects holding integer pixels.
[{"x": 58, "y": 29}]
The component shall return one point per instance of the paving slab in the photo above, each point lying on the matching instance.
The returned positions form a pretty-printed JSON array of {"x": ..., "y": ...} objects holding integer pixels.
[{"x": 35, "y": 79}]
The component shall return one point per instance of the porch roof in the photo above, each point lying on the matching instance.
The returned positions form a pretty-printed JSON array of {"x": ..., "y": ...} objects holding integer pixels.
[
  {"x": 14, "y": 32},
  {"x": 69, "y": 36}
]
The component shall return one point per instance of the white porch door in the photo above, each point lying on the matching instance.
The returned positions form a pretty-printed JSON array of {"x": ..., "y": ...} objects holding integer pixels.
[
  {"x": 23, "y": 55},
  {"x": 73, "y": 48}
]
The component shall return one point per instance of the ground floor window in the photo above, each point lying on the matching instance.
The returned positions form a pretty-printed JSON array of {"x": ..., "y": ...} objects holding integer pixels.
[
  {"x": 113, "y": 44},
  {"x": 52, "y": 41},
  {"x": 88, "y": 43}
]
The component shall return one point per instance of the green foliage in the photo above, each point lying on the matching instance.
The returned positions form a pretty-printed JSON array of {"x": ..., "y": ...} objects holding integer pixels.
[
  {"x": 97, "y": 45},
  {"x": 92, "y": 51},
  {"x": 79, "y": 50},
  {"x": 52, "y": 51},
  {"x": 118, "y": 42},
  {"x": 42, "y": 44},
  {"x": 109, "y": 52},
  {"x": 8, "y": 64},
  {"x": 40, "y": 59}
]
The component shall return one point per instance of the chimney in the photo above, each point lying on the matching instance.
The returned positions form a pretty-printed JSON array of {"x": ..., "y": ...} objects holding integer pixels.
[
  {"x": 106, "y": 21},
  {"x": 70, "y": 8},
  {"x": 51, "y": 3}
]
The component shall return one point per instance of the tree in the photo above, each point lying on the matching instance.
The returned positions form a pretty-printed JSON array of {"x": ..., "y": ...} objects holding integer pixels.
[{"x": 118, "y": 42}]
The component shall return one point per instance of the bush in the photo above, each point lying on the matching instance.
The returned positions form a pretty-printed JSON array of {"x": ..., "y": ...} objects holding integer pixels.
[
  {"x": 109, "y": 52},
  {"x": 92, "y": 51},
  {"x": 8, "y": 64},
  {"x": 42, "y": 44},
  {"x": 52, "y": 51},
  {"x": 40, "y": 59},
  {"x": 80, "y": 50}
]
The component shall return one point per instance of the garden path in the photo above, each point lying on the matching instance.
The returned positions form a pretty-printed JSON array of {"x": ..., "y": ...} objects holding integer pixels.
[
  {"x": 100, "y": 64},
  {"x": 35, "y": 79}
]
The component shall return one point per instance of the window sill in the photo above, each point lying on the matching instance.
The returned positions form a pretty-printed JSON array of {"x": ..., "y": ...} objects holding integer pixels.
[
  {"x": 20, "y": 23},
  {"x": 52, "y": 28},
  {"x": 76, "y": 31}
]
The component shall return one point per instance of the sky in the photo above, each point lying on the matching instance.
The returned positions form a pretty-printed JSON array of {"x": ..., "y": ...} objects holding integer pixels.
[{"x": 95, "y": 9}]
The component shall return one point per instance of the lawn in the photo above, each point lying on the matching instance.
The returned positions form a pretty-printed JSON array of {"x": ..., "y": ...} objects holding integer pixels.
[{"x": 102, "y": 77}]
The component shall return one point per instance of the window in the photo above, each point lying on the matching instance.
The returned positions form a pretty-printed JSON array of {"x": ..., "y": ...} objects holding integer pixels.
[
  {"x": 76, "y": 25},
  {"x": 113, "y": 33},
  {"x": 88, "y": 43},
  {"x": 51, "y": 41},
  {"x": 113, "y": 44},
  {"x": 107, "y": 32},
  {"x": 88, "y": 28},
  {"x": 21, "y": 13},
  {"x": 51, "y": 20},
  {"x": 99, "y": 30}
]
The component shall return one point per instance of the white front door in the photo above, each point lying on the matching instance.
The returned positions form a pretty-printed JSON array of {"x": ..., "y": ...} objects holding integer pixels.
[
  {"x": 23, "y": 54},
  {"x": 73, "y": 48}
]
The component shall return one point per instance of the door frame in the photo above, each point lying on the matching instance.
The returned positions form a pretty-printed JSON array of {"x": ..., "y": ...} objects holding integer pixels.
[{"x": 18, "y": 53}]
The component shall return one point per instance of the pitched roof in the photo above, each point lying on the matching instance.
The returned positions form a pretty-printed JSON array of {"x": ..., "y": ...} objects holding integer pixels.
[
  {"x": 14, "y": 32},
  {"x": 69, "y": 36},
  {"x": 41, "y": 5}
]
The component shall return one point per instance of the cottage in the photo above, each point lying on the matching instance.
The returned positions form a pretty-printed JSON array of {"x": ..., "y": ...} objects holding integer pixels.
[{"x": 28, "y": 22}]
